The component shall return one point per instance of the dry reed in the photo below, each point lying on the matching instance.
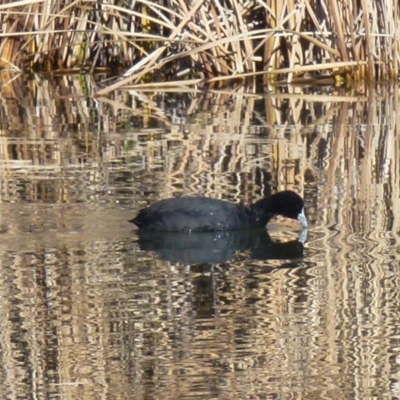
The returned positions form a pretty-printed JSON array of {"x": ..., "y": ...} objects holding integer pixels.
[{"x": 172, "y": 41}]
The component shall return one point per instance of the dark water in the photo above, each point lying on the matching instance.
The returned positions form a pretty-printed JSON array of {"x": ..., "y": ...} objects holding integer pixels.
[{"x": 90, "y": 309}]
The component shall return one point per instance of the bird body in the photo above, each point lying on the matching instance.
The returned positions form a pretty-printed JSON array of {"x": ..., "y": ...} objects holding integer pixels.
[{"x": 205, "y": 214}]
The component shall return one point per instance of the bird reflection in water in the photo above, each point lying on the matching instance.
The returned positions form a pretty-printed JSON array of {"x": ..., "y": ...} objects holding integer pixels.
[{"x": 219, "y": 247}]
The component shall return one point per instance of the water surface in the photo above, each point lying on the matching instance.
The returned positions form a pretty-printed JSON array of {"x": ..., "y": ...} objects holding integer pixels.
[{"x": 89, "y": 309}]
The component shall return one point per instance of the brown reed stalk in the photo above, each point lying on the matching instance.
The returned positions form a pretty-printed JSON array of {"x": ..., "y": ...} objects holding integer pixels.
[{"x": 167, "y": 41}]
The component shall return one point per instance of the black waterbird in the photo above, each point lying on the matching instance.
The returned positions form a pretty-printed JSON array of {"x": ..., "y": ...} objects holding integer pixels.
[{"x": 196, "y": 214}]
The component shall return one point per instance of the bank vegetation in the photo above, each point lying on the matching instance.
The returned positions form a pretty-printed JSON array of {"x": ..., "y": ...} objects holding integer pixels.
[{"x": 169, "y": 42}]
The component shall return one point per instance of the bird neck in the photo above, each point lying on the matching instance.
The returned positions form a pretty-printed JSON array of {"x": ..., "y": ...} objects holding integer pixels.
[{"x": 261, "y": 212}]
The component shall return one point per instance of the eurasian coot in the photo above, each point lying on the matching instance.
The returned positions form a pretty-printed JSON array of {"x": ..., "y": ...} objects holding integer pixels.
[{"x": 204, "y": 214}]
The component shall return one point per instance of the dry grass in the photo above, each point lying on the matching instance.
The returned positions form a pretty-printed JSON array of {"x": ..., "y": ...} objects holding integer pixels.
[{"x": 170, "y": 41}]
